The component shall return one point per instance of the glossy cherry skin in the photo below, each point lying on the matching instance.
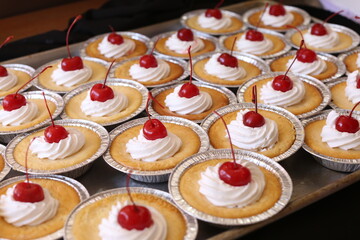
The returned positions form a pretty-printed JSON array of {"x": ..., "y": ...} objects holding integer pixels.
[
  {"x": 306, "y": 55},
  {"x": 135, "y": 217},
  {"x": 71, "y": 64},
  {"x": 318, "y": 29},
  {"x": 253, "y": 119},
  {"x": 282, "y": 83},
  {"x": 154, "y": 129},
  {"x": 101, "y": 93},
  {"x": 189, "y": 90},
  {"x": 28, "y": 192},
  {"x": 3, "y": 71},
  {"x": 115, "y": 38},
  {"x": 148, "y": 61},
  {"x": 185, "y": 34},
  {"x": 228, "y": 60},
  {"x": 277, "y": 10},
  {"x": 216, "y": 13},
  {"x": 234, "y": 174},
  {"x": 358, "y": 82},
  {"x": 55, "y": 133},
  {"x": 13, "y": 102},
  {"x": 254, "y": 35},
  {"x": 347, "y": 124}
]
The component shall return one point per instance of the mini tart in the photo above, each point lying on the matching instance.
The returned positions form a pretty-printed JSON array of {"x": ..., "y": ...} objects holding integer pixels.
[
  {"x": 23, "y": 74},
  {"x": 339, "y": 98},
  {"x": 349, "y": 59}
]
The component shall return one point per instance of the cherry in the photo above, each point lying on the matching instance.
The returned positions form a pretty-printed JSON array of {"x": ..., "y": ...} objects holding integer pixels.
[
  {"x": 3, "y": 71},
  {"x": 254, "y": 35},
  {"x": 185, "y": 34},
  {"x": 28, "y": 192},
  {"x": 149, "y": 61},
  {"x": 347, "y": 123},
  {"x": 358, "y": 81},
  {"x": 253, "y": 118},
  {"x": 277, "y": 10},
  {"x": 215, "y": 12},
  {"x": 115, "y": 38},
  {"x": 189, "y": 90},
  {"x": 100, "y": 92},
  {"x": 227, "y": 59},
  {"x": 304, "y": 55},
  {"x": 319, "y": 29},
  {"x": 282, "y": 83}
]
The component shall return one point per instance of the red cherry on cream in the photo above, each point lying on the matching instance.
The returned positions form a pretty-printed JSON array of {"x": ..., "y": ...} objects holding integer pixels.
[
  {"x": 277, "y": 10},
  {"x": 216, "y": 13},
  {"x": 28, "y": 192},
  {"x": 358, "y": 82},
  {"x": 253, "y": 118},
  {"x": 306, "y": 55},
  {"x": 234, "y": 174},
  {"x": 185, "y": 34},
  {"x": 319, "y": 29},
  {"x": 115, "y": 38},
  {"x": 254, "y": 35},
  {"x": 228, "y": 60},
  {"x": 135, "y": 217},
  {"x": 53, "y": 134},
  {"x": 100, "y": 92},
  {"x": 3, "y": 71},
  {"x": 347, "y": 124},
  {"x": 13, "y": 101},
  {"x": 189, "y": 90},
  {"x": 282, "y": 83},
  {"x": 149, "y": 61}
]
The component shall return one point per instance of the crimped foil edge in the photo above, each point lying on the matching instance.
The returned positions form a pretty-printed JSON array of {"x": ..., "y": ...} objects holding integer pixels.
[
  {"x": 346, "y": 54},
  {"x": 6, "y": 168}
]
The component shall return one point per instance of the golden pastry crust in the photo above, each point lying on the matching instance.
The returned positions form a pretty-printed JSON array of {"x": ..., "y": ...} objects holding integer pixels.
[
  {"x": 339, "y": 97},
  {"x": 251, "y": 72},
  {"x": 92, "y": 144},
  {"x": 88, "y": 219},
  {"x": 286, "y": 133},
  {"x": 219, "y": 100},
  {"x": 22, "y": 78},
  {"x": 279, "y": 65},
  {"x": 2, "y": 163},
  {"x": 254, "y": 19},
  {"x": 98, "y": 73},
  {"x": 73, "y": 107},
  {"x": 312, "y": 99},
  {"x": 190, "y": 145},
  {"x": 93, "y": 51},
  {"x": 123, "y": 72},
  {"x": 189, "y": 189},
  {"x": 40, "y": 117},
  {"x": 68, "y": 198},
  {"x": 350, "y": 62},
  {"x": 313, "y": 140},
  {"x": 236, "y": 24}
]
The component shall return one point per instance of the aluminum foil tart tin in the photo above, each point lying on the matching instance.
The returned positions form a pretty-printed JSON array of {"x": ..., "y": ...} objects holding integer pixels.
[
  {"x": 256, "y": 61},
  {"x": 228, "y": 93},
  {"x": 23, "y": 68},
  {"x": 343, "y": 56},
  {"x": 40, "y": 86},
  {"x": 337, "y": 164},
  {"x": 194, "y": 13},
  {"x": 6, "y": 136},
  {"x": 71, "y": 171},
  {"x": 337, "y": 28},
  {"x": 326, "y": 57},
  {"x": 332, "y": 84},
  {"x": 214, "y": 40},
  {"x": 258, "y": 159},
  {"x": 323, "y": 89},
  {"x": 304, "y": 14},
  {"x": 110, "y": 82},
  {"x": 287, "y": 47},
  {"x": 179, "y": 62},
  {"x": 299, "y": 130},
  {"x": 6, "y": 169},
  {"x": 191, "y": 222},
  {"x": 160, "y": 175},
  {"x": 77, "y": 186}
]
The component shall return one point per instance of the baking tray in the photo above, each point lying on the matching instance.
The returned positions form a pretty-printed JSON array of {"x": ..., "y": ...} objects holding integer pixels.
[{"x": 312, "y": 182}]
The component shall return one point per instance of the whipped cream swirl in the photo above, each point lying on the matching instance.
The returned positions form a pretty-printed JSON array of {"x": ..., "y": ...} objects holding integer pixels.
[
  {"x": 277, "y": 21},
  {"x": 8, "y": 81},
  {"x": 329, "y": 40},
  {"x": 107, "y": 108},
  {"x": 71, "y": 78},
  {"x": 142, "y": 74},
  {"x": 334, "y": 138},
  {"x": 182, "y": 105},
  {"x": 179, "y": 46},
  {"x": 257, "y": 139},
  {"x": 351, "y": 91},
  {"x": 110, "y": 229},
  {"x": 19, "y": 116},
  {"x": 110, "y": 50},
  {"x": 24, "y": 213},
  {"x": 222, "y": 194},
  {"x": 214, "y": 23},
  {"x": 146, "y": 150},
  {"x": 64, "y": 148},
  {"x": 314, "y": 68},
  {"x": 358, "y": 60},
  {"x": 253, "y": 47},
  {"x": 215, "y": 68},
  {"x": 283, "y": 99}
]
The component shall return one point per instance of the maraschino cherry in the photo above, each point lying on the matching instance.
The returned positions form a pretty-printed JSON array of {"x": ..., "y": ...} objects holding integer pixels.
[
  {"x": 100, "y": 92},
  {"x": 319, "y": 29},
  {"x": 189, "y": 90},
  {"x": 3, "y": 71},
  {"x": 358, "y": 81},
  {"x": 304, "y": 54},
  {"x": 134, "y": 216},
  {"x": 253, "y": 118},
  {"x": 185, "y": 34},
  {"x": 115, "y": 38},
  {"x": 149, "y": 61},
  {"x": 253, "y": 34},
  {"x": 71, "y": 63},
  {"x": 228, "y": 59},
  {"x": 277, "y": 10},
  {"x": 153, "y": 129},
  {"x": 215, "y": 12},
  {"x": 347, "y": 124},
  {"x": 16, "y": 100}
]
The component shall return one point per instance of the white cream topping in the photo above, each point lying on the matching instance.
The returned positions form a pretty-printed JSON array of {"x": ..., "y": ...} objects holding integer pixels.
[
  {"x": 277, "y": 21},
  {"x": 179, "y": 46},
  {"x": 334, "y": 138},
  {"x": 8, "y": 81},
  {"x": 214, "y": 23},
  {"x": 253, "y": 47},
  {"x": 142, "y": 74},
  {"x": 110, "y": 229},
  {"x": 110, "y": 50},
  {"x": 182, "y": 105},
  {"x": 23, "y": 213},
  {"x": 351, "y": 92},
  {"x": 215, "y": 68},
  {"x": 107, "y": 108},
  {"x": 64, "y": 148},
  {"x": 71, "y": 78},
  {"x": 222, "y": 194},
  {"x": 314, "y": 68},
  {"x": 283, "y": 99},
  {"x": 329, "y": 40},
  {"x": 358, "y": 60},
  {"x": 257, "y": 139},
  {"x": 19, "y": 116},
  {"x": 146, "y": 150}
]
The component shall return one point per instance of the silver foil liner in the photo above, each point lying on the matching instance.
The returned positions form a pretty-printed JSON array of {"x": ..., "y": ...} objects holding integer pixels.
[
  {"x": 6, "y": 168},
  {"x": 179, "y": 62},
  {"x": 37, "y": 83},
  {"x": 110, "y": 82},
  {"x": 71, "y": 171},
  {"x": 194, "y": 13},
  {"x": 345, "y": 55},
  {"x": 256, "y": 61},
  {"x": 299, "y": 130},
  {"x": 337, "y": 28},
  {"x": 153, "y": 176},
  {"x": 191, "y": 222},
  {"x": 23, "y": 68},
  {"x": 323, "y": 89},
  {"x": 258, "y": 159},
  {"x": 77, "y": 186},
  {"x": 6, "y": 136},
  {"x": 337, "y": 164},
  {"x": 264, "y": 56},
  {"x": 156, "y": 91}
]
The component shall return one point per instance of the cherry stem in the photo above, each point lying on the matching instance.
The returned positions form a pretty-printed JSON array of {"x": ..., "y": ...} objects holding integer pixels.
[
  {"x": 32, "y": 79},
  {"x": 331, "y": 16},
  {"x": 107, "y": 73},
  {"x": 232, "y": 47},
  {"x": 48, "y": 109},
  {"x": 297, "y": 29},
  {"x": 112, "y": 28},
  {"x": 8, "y": 39},
  {"x": 26, "y": 160},
  {"x": 191, "y": 67},
  {"x": 262, "y": 14},
  {"x": 219, "y": 4},
  {"x": 353, "y": 109},
  {"x": 128, "y": 190},
  {"x": 151, "y": 97},
  {"x": 254, "y": 97},
  {"x": 68, "y": 33},
  {"x": 152, "y": 50},
  {"x": 287, "y": 71}
]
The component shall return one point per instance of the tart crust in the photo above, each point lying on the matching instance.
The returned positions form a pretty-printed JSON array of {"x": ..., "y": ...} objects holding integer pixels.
[
  {"x": 254, "y": 19},
  {"x": 236, "y": 24},
  {"x": 22, "y": 78},
  {"x": 339, "y": 97},
  {"x": 2, "y": 163},
  {"x": 350, "y": 62}
]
